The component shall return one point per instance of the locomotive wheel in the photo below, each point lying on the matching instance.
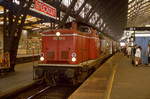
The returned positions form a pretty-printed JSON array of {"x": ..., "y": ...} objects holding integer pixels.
[
  {"x": 38, "y": 73},
  {"x": 49, "y": 78}
]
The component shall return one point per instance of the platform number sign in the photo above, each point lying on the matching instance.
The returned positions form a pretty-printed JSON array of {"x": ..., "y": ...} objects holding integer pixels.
[{"x": 44, "y": 8}]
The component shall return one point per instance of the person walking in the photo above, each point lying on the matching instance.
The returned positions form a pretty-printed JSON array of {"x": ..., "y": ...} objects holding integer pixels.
[
  {"x": 148, "y": 54},
  {"x": 138, "y": 56}
]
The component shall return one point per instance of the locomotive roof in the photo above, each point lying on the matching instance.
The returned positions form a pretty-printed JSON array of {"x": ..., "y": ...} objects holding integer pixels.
[{"x": 81, "y": 23}]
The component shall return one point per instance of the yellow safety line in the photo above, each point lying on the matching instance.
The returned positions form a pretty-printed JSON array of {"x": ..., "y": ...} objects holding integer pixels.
[{"x": 111, "y": 83}]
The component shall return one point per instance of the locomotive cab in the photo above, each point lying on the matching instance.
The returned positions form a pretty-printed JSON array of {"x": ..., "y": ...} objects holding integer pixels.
[{"x": 68, "y": 45}]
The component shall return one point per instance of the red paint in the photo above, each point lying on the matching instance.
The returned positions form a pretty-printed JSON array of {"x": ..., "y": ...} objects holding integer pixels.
[{"x": 85, "y": 45}]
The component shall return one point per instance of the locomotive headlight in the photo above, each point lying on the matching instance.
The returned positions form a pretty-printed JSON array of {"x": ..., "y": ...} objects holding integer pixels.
[
  {"x": 74, "y": 59},
  {"x": 41, "y": 58},
  {"x": 57, "y": 33},
  {"x": 73, "y": 54}
]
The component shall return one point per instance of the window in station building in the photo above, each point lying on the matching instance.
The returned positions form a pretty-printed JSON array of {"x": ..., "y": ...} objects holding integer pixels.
[
  {"x": 82, "y": 13},
  {"x": 130, "y": 1},
  {"x": 16, "y": 2},
  {"x": 85, "y": 10},
  {"x": 93, "y": 18},
  {"x": 102, "y": 28},
  {"x": 78, "y": 5},
  {"x": 101, "y": 20},
  {"x": 96, "y": 15},
  {"x": 61, "y": 15},
  {"x": 98, "y": 24},
  {"x": 66, "y": 2},
  {"x": 70, "y": 19},
  {"x": 104, "y": 24}
]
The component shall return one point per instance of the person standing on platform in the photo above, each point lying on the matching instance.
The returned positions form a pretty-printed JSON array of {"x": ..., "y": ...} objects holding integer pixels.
[
  {"x": 129, "y": 51},
  {"x": 148, "y": 54},
  {"x": 133, "y": 53},
  {"x": 138, "y": 56},
  {"x": 124, "y": 51}
]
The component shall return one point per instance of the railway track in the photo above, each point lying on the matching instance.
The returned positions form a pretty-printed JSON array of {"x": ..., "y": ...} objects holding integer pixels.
[
  {"x": 43, "y": 91},
  {"x": 47, "y": 92}
]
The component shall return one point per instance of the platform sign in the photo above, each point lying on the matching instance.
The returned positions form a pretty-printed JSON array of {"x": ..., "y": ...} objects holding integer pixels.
[{"x": 44, "y": 8}]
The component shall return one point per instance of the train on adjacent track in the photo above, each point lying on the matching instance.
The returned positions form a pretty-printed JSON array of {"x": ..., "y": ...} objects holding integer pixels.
[{"x": 69, "y": 52}]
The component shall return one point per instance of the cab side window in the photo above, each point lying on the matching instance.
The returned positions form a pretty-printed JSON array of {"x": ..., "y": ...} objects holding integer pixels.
[
  {"x": 67, "y": 26},
  {"x": 84, "y": 29}
]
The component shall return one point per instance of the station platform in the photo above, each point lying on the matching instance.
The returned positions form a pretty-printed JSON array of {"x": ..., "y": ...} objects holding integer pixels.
[
  {"x": 117, "y": 78},
  {"x": 131, "y": 82},
  {"x": 27, "y": 55},
  {"x": 23, "y": 76}
]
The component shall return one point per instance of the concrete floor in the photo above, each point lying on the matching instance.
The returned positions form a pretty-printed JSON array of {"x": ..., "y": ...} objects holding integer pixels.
[
  {"x": 131, "y": 82},
  {"x": 96, "y": 85},
  {"x": 22, "y": 76}
]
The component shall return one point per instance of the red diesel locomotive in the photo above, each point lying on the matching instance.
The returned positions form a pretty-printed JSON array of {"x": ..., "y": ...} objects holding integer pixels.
[
  {"x": 76, "y": 44},
  {"x": 67, "y": 50}
]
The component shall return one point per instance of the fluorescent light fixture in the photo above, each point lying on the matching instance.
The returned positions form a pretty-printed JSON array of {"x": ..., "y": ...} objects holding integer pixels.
[
  {"x": 148, "y": 25},
  {"x": 142, "y": 35}
]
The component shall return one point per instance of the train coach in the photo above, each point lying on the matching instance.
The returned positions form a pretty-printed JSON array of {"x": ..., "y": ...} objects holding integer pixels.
[{"x": 67, "y": 53}]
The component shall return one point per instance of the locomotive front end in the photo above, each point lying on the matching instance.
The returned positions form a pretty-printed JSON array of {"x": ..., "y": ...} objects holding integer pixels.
[
  {"x": 58, "y": 48},
  {"x": 67, "y": 54},
  {"x": 58, "y": 57}
]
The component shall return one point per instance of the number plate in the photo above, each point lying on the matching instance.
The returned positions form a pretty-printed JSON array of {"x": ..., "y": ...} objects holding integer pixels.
[{"x": 59, "y": 38}]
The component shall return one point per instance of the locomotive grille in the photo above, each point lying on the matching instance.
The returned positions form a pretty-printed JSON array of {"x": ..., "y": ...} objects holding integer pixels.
[
  {"x": 64, "y": 54},
  {"x": 50, "y": 55}
]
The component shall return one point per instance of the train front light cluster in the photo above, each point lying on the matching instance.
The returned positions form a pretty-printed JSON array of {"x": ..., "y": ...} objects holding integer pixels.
[
  {"x": 74, "y": 56},
  {"x": 57, "y": 33},
  {"x": 74, "y": 59},
  {"x": 41, "y": 58}
]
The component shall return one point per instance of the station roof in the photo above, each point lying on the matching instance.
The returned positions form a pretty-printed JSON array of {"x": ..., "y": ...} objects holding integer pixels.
[
  {"x": 108, "y": 16},
  {"x": 138, "y": 13}
]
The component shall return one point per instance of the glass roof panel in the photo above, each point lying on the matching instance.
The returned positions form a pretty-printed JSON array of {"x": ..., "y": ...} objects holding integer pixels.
[{"x": 137, "y": 10}]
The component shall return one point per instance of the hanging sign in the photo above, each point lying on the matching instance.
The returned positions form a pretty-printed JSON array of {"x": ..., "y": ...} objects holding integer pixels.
[{"x": 44, "y": 8}]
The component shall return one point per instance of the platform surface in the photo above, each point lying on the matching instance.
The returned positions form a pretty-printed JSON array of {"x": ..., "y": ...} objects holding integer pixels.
[
  {"x": 128, "y": 82},
  {"x": 96, "y": 85},
  {"x": 22, "y": 76},
  {"x": 131, "y": 82}
]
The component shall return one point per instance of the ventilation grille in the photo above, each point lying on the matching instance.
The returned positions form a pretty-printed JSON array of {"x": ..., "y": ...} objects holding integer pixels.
[
  {"x": 64, "y": 54},
  {"x": 51, "y": 55}
]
